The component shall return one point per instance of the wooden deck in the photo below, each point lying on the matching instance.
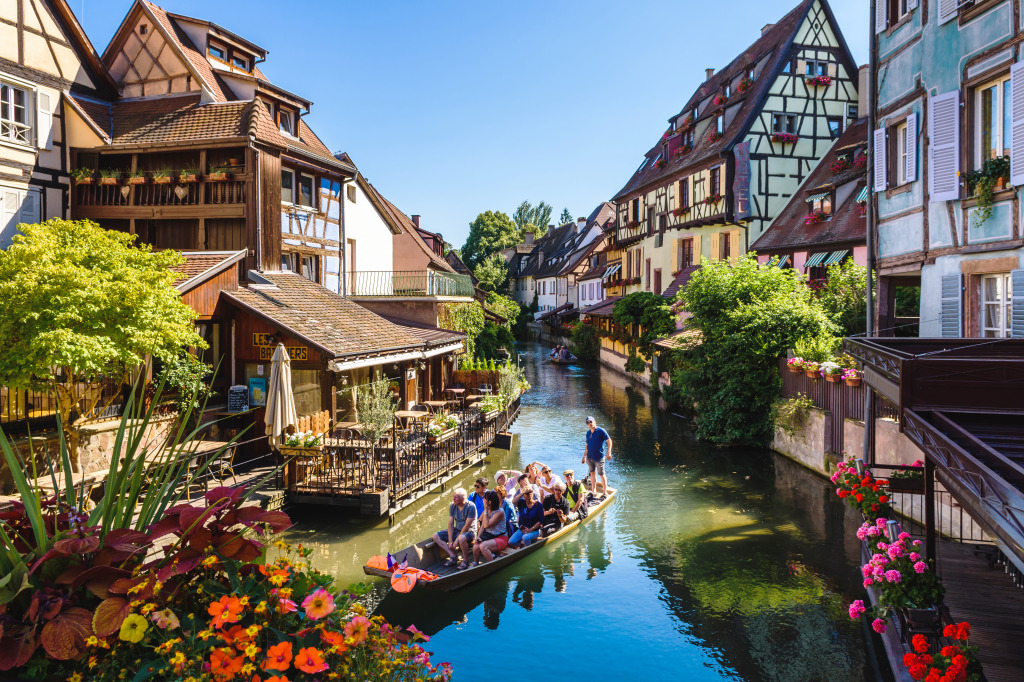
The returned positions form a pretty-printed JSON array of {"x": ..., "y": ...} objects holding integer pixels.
[{"x": 985, "y": 596}]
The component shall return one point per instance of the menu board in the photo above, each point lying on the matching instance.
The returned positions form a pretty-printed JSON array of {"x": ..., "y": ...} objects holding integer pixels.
[{"x": 238, "y": 399}]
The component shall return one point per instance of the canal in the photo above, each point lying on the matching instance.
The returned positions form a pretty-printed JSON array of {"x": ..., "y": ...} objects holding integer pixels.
[{"x": 711, "y": 564}]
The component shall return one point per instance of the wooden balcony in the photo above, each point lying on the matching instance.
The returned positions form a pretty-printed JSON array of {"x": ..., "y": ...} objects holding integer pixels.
[{"x": 207, "y": 199}]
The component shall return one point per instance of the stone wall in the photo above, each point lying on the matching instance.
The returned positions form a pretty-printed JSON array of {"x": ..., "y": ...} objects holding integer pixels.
[
  {"x": 96, "y": 440},
  {"x": 891, "y": 446},
  {"x": 806, "y": 445},
  {"x": 617, "y": 362}
]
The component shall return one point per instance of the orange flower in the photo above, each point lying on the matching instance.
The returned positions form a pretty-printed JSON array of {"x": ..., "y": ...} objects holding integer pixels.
[
  {"x": 223, "y": 665},
  {"x": 279, "y": 657},
  {"x": 310, "y": 660},
  {"x": 236, "y": 637},
  {"x": 277, "y": 678},
  {"x": 357, "y": 629},
  {"x": 225, "y": 610},
  {"x": 334, "y": 640}
]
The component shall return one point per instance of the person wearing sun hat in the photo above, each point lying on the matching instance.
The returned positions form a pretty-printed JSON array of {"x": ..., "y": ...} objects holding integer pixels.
[{"x": 594, "y": 454}]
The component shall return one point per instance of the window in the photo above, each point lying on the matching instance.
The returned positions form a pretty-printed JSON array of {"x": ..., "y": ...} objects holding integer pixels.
[
  {"x": 901, "y": 153},
  {"x": 657, "y": 279},
  {"x": 720, "y": 124},
  {"x": 787, "y": 67},
  {"x": 851, "y": 110},
  {"x": 636, "y": 210},
  {"x": 685, "y": 253},
  {"x": 17, "y": 206},
  {"x": 307, "y": 266},
  {"x": 995, "y": 301},
  {"x": 897, "y": 10},
  {"x": 784, "y": 123},
  {"x": 684, "y": 192},
  {"x": 240, "y": 62},
  {"x": 286, "y": 122},
  {"x": 647, "y": 274},
  {"x": 728, "y": 91},
  {"x": 821, "y": 204},
  {"x": 306, "y": 195},
  {"x": 835, "y": 127},
  {"x": 750, "y": 73},
  {"x": 724, "y": 249},
  {"x": 716, "y": 177},
  {"x": 992, "y": 113},
  {"x": 15, "y": 125},
  {"x": 218, "y": 53},
  {"x": 816, "y": 67},
  {"x": 287, "y": 186}
]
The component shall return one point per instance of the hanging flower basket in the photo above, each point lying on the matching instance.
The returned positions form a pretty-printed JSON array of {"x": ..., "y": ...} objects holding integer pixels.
[
  {"x": 719, "y": 100},
  {"x": 785, "y": 138},
  {"x": 819, "y": 81},
  {"x": 714, "y": 136}
]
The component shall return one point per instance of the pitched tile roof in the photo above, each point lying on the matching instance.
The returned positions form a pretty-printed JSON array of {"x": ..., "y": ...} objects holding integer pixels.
[
  {"x": 564, "y": 246},
  {"x": 178, "y": 119},
  {"x": 433, "y": 336},
  {"x": 788, "y": 231},
  {"x": 197, "y": 59},
  {"x": 337, "y": 326},
  {"x": 773, "y": 44},
  {"x": 679, "y": 282},
  {"x": 201, "y": 265},
  {"x": 602, "y": 309}
]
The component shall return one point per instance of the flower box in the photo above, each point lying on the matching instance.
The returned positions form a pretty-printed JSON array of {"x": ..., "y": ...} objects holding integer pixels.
[
  {"x": 185, "y": 178},
  {"x": 919, "y": 622},
  {"x": 713, "y": 199},
  {"x": 108, "y": 181},
  {"x": 795, "y": 369},
  {"x": 785, "y": 138},
  {"x": 137, "y": 180},
  {"x": 714, "y": 137},
  {"x": 906, "y": 485},
  {"x": 852, "y": 381},
  {"x": 745, "y": 85},
  {"x": 447, "y": 434},
  {"x": 217, "y": 176},
  {"x": 161, "y": 179},
  {"x": 719, "y": 100},
  {"x": 296, "y": 451},
  {"x": 491, "y": 416},
  {"x": 84, "y": 181},
  {"x": 833, "y": 378},
  {"x": 819, "y": 81}
]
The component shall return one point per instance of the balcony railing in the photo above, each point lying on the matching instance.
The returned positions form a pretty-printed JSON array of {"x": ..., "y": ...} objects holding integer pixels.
[
  {"x": 187, "y": 194},
  {"x": 410, "y": 283}
]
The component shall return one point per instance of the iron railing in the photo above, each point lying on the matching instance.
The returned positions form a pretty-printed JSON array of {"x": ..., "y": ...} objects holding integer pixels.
[{"x": 410, "y": 283}]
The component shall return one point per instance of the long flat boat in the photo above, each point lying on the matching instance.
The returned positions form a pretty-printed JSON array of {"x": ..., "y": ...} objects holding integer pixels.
[
  {"x": 426, "y": 556},
  {"x": 564, "y": 361}
]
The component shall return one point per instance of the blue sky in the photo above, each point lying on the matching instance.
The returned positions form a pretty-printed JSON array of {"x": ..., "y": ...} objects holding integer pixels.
[{"x": 454, "y": 108}]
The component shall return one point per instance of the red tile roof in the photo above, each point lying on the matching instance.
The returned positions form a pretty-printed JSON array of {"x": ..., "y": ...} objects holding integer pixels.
[
  {"x": 679, "y": 282},
  {"x": 847, "y": 226},
  {"x": 178, "y": 119},
  {"x": 201, "y": 265},
  {"x": 197, "y": 59}
]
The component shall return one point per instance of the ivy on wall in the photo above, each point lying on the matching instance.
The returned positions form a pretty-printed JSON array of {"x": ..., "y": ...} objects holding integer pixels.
[{"x": 462, "y": 317}]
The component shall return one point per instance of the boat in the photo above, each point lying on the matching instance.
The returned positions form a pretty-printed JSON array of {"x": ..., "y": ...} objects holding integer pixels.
[
  {"x": 563, "y": 361},
  {"x": 427, "y": 560}
]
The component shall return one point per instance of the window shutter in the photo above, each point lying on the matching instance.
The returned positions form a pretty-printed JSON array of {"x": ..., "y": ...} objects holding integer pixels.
[
  {"x": 947, "y": 10},
  {"x": 1017, "y": 304},
  {"x": 880, "y": 157},
  {"x": 716, "y": 251},
  {"x": 44, "y": 121},
  {"x": 944, "y": 137},
  {"x": 734, "y": 246},
  {"x": 949, "y": 312},
  {"x": 1017, "y": 124},
  {"x": 696, "y": 249},
  {"x": 881, "y": 9},
  {"x": 911, "y": 147},
  {"x": 30, "y": 212},
  {"x": 912, "y": 4},
  {"x": 675, "y": 254}
]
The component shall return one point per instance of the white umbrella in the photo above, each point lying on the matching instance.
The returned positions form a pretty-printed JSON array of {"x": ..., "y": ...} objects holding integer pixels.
[{"x": 280, "y": 399}]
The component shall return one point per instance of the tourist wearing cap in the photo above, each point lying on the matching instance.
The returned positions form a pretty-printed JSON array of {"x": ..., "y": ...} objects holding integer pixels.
[
  {"x": 594, "y": 454},
  {"x": 576, "y": 494}
]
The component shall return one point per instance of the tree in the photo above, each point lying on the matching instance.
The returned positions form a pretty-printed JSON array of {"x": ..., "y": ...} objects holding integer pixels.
[
  {"x": 538, "y": 216},
  {"x": 493, "y": 273},
  {"x": 650, "y": 313},
  {"x": 489, "y": 233},
  {"x": 748, "y": 316},
  {"x": 78, "y": 304},
  {"x": 844, "y": 295},
  {"x": 566, "y": 217}
]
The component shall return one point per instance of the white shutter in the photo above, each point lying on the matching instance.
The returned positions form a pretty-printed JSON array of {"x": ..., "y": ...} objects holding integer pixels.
[
  {"x": 879, "y": 161},
  {"x": 881, "y": 7},
  {"x": 1017, "y": 304},
  {"x": 1017, "y": 124},
  {"x": 947, "y": 10},
  {"x": 44, "y": 121},
  {"x": 30, "y": 208},
  {"x": 911, "y": 147},
  {"x": 911, "y": 4},
  {"x": 944, "y": 147},
  {"x": 949, "y": 311}
]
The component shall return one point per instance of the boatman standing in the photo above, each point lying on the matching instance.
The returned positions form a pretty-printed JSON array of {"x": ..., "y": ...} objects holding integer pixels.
[{"x": 594, "y": 455}]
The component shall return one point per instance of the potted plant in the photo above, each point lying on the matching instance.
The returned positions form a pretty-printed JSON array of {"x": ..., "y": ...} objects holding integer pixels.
[
  {"x": 136, "y": 177},
  {"x": 161, "y": 176},
  {"x": 302, "y": 443},
  {"x": 852, "y": 377},
  {"x": 985, "y": 182},
  {"x": 218, "y": 174},
  {"x": 955, "y": 658},
  {"x": 811, "y": 370},
  {"x": 234, "y": 162},
  {"x": 109, "y": 176},
  {"x": 785, "y": 138},
  {"x": 82, "y": 176},
  {"x": 187, "y": 175},
  {"x": 861, "y": 491},
  {"x": 907, "y": 480},
  {"x": 831, "y": 371},
  {"x": 795, "y": 365}
]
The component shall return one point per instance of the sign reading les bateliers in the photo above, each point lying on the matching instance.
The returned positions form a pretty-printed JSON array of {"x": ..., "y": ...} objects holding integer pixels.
[{"x": 264, "y": 342}]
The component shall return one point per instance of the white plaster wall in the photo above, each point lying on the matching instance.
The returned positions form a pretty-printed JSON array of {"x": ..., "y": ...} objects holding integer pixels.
[{"x": 373, "y": 238}]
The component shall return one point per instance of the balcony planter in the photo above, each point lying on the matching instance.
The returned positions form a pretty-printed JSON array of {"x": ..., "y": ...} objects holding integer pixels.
[
  {"x": 811, "y": 370},
  {"x": 785, "y": 138},
  {"x": 82, "y": 176},
  {"x": 919, "y": 622},
  {"x": 447, "y": 434},
  {"x": 186, "y": 178},
  {"x": 852, "y": 381},
  {"x": 833, "y": 378},
  {"x": 819, "y": 81},
  {"x": 161, "y": 179},
  {"x": 108, "y": 181},
  {"x": 217, "y": 176},
  {"x": 136, "y": 180},
  {"x": 906, "y": 485},
  {"x": 491, "y": 416}
]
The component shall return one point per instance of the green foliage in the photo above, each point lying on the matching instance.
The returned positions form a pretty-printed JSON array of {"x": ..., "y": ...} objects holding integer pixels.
[
  {"x": 748, "y": 315},
  {"x": 585, "y": 342},
  {"x": 78, "y": 302},
  {"x": 984, "y": 182},
  {"x": 376, "y": 408},
  {"x": 566, "y": 217},
  {"x": 462, "y": 317},
  {"x": 650, "y": 312},
  {"x": 184, "y": 375},
  {"x": 635, "y": 364},
  {"x": 843, "y": 294},
  {"x": 504, "y": 306},
  {"x": 818, "y": 348},
  {"x": 511, "y": 382},
  {"x": 489, "y": 233},
  {"x": 532, "y": 218},
  {"x": 492, "y": 273},
  {"x": 492, "y": 339},
  {"x": 790, "y": 415}
]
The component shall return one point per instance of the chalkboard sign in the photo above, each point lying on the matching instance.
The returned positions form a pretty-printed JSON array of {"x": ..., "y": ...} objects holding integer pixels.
[{"x": 238, "y": 399}]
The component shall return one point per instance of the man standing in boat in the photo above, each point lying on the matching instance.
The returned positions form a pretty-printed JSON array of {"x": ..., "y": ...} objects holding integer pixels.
[{"x": 594, "y": 454}]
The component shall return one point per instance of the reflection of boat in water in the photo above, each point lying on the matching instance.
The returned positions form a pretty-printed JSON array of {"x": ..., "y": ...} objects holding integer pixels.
[
  {"x": 425, "y": 556},
  {"x": 563, "y": 361}
]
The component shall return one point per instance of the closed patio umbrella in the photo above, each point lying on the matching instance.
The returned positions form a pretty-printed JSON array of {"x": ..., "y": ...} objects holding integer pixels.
[{"x": 280, "y": 400}]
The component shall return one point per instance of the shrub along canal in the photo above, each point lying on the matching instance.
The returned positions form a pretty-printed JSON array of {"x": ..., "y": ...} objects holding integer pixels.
[{"x": 711, "y": 564}]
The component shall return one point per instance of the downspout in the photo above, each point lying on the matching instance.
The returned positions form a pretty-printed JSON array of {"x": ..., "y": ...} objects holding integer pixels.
[
  {"x": 344, "y": 241},
  {"x": 259, "y": 212},
  {"x": 869, "y": 395}
]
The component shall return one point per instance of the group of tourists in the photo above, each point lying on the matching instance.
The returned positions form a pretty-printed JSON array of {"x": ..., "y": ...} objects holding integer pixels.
[
  {"x": 561, "y": 353},
  {"x": 522, "y": 506}
]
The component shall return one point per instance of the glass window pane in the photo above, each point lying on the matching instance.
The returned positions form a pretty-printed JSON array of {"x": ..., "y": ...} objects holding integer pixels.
[
  {"x": 1007, "y": 114},
  {"x": 306, "y": 191},
  {"x": 822, "y": 68},
  {"x": 287, "y": 188},
  {"x": 988, "y": 122},
  {"x": 992, "y": 313},
  {"x": 992, "y": 289}
]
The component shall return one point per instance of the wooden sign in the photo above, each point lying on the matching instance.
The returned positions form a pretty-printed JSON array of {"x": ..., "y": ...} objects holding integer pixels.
[{"x": 264, "y": 342}]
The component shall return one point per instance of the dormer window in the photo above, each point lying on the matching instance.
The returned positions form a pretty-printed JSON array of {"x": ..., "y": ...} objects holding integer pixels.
[
  {"x": 720, "y": 124},
  {"x": 286, "y": 120},
  {"x": 750, "y": 73},
  {"x": 240, "y": 62},
  {"x": 218, "y": 52},
  {"x": 728, "y": 91}
]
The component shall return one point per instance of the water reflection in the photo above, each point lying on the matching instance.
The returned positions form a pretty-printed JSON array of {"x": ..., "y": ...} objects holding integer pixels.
[{"x": 710, "y": 564}]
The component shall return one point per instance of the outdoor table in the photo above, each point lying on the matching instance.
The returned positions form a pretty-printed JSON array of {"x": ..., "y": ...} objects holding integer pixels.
[
  {"x": 457, "y": 392},
  {"x": 435, "y": 405},
  {"x": 413, "y": 415}
]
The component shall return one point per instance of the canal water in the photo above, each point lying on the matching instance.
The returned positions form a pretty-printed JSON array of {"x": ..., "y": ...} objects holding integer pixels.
[{"x": 710, "y": 564}]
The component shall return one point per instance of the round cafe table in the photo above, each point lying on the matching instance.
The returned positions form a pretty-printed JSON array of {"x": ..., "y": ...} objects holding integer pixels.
[
  {"x": 457, "y": 393},
  {"x": 410, "y": 415}
]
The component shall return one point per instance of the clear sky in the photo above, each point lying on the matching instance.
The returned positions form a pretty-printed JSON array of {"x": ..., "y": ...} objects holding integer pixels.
[{"x": 454, "y": 108}]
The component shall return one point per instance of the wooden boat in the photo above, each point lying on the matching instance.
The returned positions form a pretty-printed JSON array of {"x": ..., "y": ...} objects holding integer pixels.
[
  {"x": 563, "y": 361},
  {"x": 426, "y": 556}
]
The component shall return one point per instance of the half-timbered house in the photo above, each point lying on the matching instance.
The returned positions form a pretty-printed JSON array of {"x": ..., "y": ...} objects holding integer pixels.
[
  {"x": 733, "y": 157},
  {"x": 45, "y": 57}
]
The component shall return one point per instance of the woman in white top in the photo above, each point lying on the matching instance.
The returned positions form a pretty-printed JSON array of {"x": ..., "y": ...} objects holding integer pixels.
[{"x": 547, "y": 481}]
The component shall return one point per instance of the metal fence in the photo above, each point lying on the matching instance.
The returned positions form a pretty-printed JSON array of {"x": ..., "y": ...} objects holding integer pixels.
[{"x": 410, "y": 283}]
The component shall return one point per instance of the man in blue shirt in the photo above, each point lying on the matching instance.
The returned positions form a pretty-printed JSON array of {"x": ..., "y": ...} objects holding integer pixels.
[{"x": 594, "y": 455}]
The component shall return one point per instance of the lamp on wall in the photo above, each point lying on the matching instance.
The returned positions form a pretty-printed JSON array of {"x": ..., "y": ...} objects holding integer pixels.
[
  {"x": 858, "y": 464},
  {"x": 892, "y": 530}
]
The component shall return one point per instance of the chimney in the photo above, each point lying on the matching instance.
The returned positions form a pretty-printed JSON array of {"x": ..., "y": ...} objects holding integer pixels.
[
  {"x": 581, "y": 224},
  {"x": 708, "y": 73},
  {"x": 528, "y": 237},
  {"x": 766, "y": 28},
  {"x": 416, "y": 221},
  {"x": 862, "y": 90},
  {"x": 551, "y": 227}
]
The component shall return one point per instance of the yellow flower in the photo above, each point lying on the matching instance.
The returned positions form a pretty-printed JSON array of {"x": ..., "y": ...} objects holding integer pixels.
[
  {"x": 133, "y": 628},
  {"x": 252, "y": 650},
  {"x": 91, "y": 640},
  {"x": 75, "y": 677},
  {"x": 359, "y": 609},
  {"x": 244, "y": 600},
  {"x": 148, "y": 608},
  {"x": 93, "y": 661},
  {"x": 261, "y": 607},
  {"x": 210, "y": 561},
  {"x": 205, "y": 634},
  {"x": 247, "y": 668},
  {"x": 253, "y": 630},
  {"x": 157, "y": 586}
]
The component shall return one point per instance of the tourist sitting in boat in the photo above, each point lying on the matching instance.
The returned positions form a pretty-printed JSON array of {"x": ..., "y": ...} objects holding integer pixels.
[
  {"x": 477, "y": 496},
  {"x": 576, "y": 495},
  {"x": 507, "y": 478},
  {"x": 524, "y": 485},
  {"x": 564, "y": 353},
  {"x": 493, "y": 531},
  {"x": 547, "y": 481},
  {"x": 556, "y": 510},
  {"x": 461, "y": 528},
  {"x": 507, "y": 506},
  {"x": 531, "y": 519},
  {"x": 555, "y": 351},
  {"x": 533, "y": 470}
]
